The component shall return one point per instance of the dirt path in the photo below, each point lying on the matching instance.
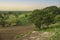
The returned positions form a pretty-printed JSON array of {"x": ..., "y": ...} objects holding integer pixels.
[{"x": 10, "y": 32}]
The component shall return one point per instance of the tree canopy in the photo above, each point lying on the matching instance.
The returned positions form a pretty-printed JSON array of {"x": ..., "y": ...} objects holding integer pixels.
[{"x": 44, "y": 17}]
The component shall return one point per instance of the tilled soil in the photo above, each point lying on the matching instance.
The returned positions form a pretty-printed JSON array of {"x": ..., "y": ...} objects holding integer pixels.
[{"x": 9, "y": 33}]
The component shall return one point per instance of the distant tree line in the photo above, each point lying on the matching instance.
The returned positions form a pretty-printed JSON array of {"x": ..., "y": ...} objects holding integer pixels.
[{"x": 13, "y": 18}]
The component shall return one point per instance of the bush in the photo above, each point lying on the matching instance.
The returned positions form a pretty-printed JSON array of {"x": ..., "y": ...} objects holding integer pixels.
[
  {"x": 44, "y": 17},
  {"x": 57, "y": 25},
  {"x": 23, "y": 20},
  {"x": 57, "y": 18}
]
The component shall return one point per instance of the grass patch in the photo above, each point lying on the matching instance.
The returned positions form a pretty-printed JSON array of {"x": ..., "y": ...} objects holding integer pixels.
[
  {"x": 18, "y": 36},
  {"x": 54, "y": 28},
  {"x": 22, "y": 35}
]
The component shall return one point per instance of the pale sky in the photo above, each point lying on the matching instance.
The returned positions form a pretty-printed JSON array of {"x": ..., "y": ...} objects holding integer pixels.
[{"x": 26, "y": 5}]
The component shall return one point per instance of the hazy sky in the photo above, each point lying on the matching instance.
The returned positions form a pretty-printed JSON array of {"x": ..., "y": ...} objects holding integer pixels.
[{"x": 27, "y": 4}]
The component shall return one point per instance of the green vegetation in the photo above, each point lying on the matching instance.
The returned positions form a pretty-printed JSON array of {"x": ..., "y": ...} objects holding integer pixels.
[
  {"x": 46, "y": 19},
  {"x": 41, "y": 18},
  {"x": 14, "y": 18}
]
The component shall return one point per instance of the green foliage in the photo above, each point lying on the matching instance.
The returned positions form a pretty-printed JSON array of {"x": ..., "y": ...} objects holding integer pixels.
[
  {"x": 44, "y": 17},
  {"x": 56, "y": 29},
  {"x": 18, "y": 36},
  {"x": 23, "y": 20},
  {"x": 41, "y": 18},
  {"x": 57, "y": 18},
  {"x": 56, "y": 25},
  {"x": 13, "y": 18}
]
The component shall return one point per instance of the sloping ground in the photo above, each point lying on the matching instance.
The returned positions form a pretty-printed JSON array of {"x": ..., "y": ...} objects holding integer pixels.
[
  {"x": 35, "y": 35},
  {"x": 9, "y": 33}
]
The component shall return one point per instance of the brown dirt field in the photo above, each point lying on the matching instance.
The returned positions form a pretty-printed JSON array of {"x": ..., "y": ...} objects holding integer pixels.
[{"x": 8, "y": 33}]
